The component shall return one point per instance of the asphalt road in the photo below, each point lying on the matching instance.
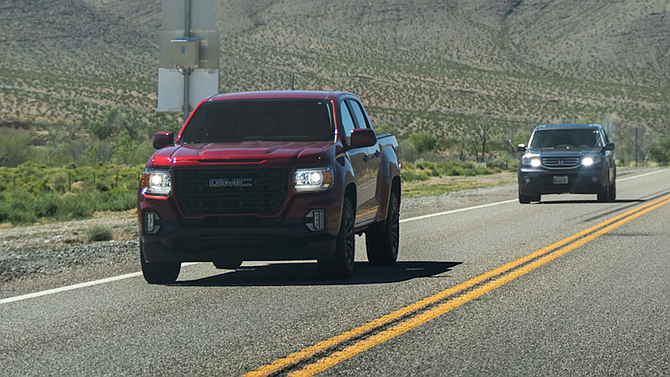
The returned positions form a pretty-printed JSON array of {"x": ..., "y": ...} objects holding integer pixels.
[{"x": 512, "y": 299}]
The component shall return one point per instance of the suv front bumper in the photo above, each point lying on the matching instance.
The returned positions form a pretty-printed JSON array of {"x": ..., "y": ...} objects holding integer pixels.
[{"x": 580, "y": 180}]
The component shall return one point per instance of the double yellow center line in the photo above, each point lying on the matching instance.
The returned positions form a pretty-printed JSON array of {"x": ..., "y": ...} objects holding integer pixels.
[{"x": 323, "y": 355}]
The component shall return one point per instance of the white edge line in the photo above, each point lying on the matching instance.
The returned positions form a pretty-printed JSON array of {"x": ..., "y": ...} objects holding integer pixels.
[
  {"x": 69, "y": 288},
  {"x": 641, "y": 175},
  {"x": 456, "y": 210},
  {"x": 135, "y": 274},
  {"x": 75, "y": 286}
]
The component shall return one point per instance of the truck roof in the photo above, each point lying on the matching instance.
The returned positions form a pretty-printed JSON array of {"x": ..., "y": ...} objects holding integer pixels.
[{"x": 276, "y": 94}]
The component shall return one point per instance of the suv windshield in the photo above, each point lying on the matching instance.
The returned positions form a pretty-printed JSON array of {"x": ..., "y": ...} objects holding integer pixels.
[
  {"x": 566, "y": 139},
  {"x": 260, "y": 120}
]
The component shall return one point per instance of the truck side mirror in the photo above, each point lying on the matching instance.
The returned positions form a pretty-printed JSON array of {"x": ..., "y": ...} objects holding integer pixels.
[
  {"x": 609, "y": 146},
  {"x": 363, "y": 137},
  {"x": 521, "y": 147},
  {"x": 163, "y": 139}
]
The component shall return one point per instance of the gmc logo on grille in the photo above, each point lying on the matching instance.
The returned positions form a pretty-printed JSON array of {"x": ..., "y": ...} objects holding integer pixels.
[{"x": 233, "y": 182}]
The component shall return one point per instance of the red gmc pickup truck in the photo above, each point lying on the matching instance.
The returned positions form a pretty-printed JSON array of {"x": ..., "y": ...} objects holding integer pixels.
[{"x": 275, "y": 175}]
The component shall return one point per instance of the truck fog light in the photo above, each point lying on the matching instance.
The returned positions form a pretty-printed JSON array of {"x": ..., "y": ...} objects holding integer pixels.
[
  {"x": 151, "y": 222},
  {"x": 315, "y": 220},
  {"x": 594, "y": 179},
  {"x": 526, "y": 180}
]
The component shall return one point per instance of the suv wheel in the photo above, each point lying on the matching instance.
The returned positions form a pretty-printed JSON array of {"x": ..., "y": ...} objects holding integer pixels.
[
  {"x": 382, "y": 239},
  {"x": 342, "y": 264},
  {"x": 612, "y": 193},
  {"x": 158, "y": 273},
  {"x": 605, "y": 194}
]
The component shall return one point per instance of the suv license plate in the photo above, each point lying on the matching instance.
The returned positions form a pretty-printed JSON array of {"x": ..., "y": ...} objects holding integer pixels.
[{"x": 560, "y": 179}]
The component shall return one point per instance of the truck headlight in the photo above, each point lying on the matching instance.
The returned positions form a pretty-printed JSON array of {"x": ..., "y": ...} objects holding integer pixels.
[
  {"x": 591, "y": 159},
  {"x": 156, "y": 182},
  {"x": 531, "y": 159},
  {"x": 316, "y": 179}
]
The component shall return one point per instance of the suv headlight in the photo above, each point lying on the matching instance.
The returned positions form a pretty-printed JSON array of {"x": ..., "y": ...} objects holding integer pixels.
[
  {"x": 591, "y": 159},
  {"x": 156, "y": 182},
  {"x": 531, "y": 159},
  {"x": 316, "y": 179}
]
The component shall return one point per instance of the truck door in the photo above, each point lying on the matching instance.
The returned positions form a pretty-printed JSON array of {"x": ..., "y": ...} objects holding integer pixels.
[{"x": 372, "y": 159}]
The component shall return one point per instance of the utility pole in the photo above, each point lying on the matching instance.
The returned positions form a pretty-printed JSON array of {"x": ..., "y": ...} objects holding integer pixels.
[
  {"x": 188, "y": 64},
  {"x": 187, "y": 71}
]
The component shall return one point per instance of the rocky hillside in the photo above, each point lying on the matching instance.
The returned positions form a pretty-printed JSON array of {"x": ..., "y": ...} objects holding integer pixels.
[{"x": 418, "y": 64}]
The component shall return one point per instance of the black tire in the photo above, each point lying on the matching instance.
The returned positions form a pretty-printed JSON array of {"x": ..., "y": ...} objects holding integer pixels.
[
  {"x": 159, "y": 273},
  {"x": 604, "y": 195},
  {"x": 228, "y": 264},
  {"x": 342, "y": 264},
  {"x": 612, "y": 193},
  {"x": 382, "y": 239}
]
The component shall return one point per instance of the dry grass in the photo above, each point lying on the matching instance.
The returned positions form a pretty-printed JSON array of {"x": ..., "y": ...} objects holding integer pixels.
[{"x": 446, "y": 185}]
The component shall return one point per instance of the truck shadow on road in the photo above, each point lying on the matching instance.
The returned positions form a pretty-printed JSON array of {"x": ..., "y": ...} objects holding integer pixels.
[
  {"x": 306, "y": 273},
  {"x": 572, "y": 201}
]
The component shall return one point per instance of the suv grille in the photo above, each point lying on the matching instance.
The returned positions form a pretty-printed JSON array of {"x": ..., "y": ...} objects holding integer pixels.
[
  {"x": 218, "y": 191},
  {"x": 561, "y": 162}
]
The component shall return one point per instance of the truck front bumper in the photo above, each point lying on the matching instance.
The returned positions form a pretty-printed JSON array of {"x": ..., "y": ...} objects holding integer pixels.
[{"x": 239, "y": 237}]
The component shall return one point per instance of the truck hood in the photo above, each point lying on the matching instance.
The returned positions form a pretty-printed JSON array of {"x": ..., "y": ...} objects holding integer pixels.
[{"x": 244, "y": 152}]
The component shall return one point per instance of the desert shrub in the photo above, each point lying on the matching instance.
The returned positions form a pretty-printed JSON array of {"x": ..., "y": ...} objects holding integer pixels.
[
  {"x": 410, "y": 175},
  {"x": 99, "y": 232},
  {"x": 36, "y": 186},
  {"x": 453, "y": 170},
  {"x": 16, "y": 207},
  {"x": 47, "y": 205},
  {"x": 14, "y": 148},
  {"x": 76, "y": 206},
  {"x": 423, "y": 141},
  {"x": 661, "y": 152}
]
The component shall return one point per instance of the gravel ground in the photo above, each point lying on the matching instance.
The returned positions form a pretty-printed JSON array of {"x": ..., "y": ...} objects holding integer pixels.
[{"x": 51, "y": 249}]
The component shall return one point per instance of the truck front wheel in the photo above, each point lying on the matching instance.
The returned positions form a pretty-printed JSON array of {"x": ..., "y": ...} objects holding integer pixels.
[
  {"x": 342, "y": 264},
  {"x": 228, "y": 264},
  {"x": 382, "y": 239},
  {"x": 159, "y": 273}
]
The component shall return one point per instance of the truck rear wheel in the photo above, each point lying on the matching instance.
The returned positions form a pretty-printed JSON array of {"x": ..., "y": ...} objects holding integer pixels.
[
  {"x": 159, "y": 273},
  {"x": 342, "y": 264},
  {"x": 382, "y": 239}
]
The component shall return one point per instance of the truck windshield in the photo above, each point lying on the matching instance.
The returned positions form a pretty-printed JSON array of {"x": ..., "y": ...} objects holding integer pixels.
[
  {"x": 260, "y": 120},
  {"x": 566, "y": 139}
]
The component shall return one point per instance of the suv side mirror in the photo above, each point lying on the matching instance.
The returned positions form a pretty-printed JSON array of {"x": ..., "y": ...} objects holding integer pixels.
[
  {"x": 609, "y": 146},
  {"x": 521, "y": 147},
  {"x": 363, "y": 137},
  {"x": 163, "y": 139}
]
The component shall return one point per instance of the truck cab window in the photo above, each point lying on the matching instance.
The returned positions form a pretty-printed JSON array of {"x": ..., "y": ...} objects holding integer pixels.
[
  {"x": 347, "y": 121},
  {"x": 358, "y": 112}
]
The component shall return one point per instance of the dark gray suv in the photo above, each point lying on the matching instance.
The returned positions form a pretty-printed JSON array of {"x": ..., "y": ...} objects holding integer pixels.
[{"x": 567, "y": 158}]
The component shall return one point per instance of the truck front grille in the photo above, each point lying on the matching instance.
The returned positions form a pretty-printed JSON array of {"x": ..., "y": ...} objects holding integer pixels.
[
  {"x": 224, "y": 191},
  {"x": 561, "y": 162}
]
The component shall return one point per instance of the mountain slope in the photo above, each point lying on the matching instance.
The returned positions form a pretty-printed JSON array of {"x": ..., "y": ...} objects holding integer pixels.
[{"x": 419, "y": 64}]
